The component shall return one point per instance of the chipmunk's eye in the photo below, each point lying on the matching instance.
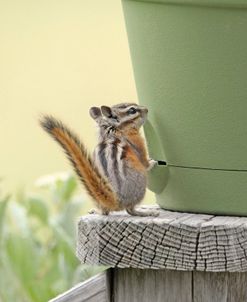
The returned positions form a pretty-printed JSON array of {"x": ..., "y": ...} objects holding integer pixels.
[{"x": 132, "y": 110}]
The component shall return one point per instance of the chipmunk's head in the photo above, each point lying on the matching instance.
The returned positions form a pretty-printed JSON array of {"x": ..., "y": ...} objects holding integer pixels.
[{"x": 125, "y": 115}]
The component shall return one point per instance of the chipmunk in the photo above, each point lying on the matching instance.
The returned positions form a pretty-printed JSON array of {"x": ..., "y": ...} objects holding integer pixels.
[{"x": 116, "y": 176}]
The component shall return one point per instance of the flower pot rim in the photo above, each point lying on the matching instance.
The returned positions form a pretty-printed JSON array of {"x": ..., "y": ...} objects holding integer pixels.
[{"x": 240, "y": 4}]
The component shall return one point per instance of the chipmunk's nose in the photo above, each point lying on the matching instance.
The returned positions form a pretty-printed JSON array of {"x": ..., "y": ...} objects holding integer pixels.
[{"x": 144, "y": 109}]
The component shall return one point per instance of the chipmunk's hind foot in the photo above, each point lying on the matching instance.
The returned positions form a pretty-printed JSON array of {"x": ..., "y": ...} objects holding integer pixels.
[{"x": 100, "y": 212}]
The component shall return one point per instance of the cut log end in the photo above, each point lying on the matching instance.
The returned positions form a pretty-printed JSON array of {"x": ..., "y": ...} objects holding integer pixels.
[{"x": 178, "y": 241}]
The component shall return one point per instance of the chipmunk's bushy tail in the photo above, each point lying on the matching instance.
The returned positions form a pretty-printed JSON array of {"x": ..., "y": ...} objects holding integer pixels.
[{"x": 97, "y": 186}]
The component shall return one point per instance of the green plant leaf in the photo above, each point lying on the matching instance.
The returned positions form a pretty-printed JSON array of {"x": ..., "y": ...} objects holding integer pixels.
[
  {"x": 68, "y": 187},
  {"x": 3, "y": 207},
  {"x": 37, "y": 253},
  {"x": 38, "y": 208},
  {"x": 68, "y": 217}
]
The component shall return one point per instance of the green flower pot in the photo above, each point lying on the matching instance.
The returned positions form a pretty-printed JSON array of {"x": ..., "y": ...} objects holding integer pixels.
[{"x": 190, "y": 65}]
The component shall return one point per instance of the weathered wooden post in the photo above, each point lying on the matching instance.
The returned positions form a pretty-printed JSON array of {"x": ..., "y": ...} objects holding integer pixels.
[{"x": 174, "y": 257}]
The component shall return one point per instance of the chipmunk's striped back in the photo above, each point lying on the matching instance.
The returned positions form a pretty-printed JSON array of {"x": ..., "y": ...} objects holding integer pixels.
[
  {"x": 121, "y": 166},
  {"x": 121, "y": 154}
]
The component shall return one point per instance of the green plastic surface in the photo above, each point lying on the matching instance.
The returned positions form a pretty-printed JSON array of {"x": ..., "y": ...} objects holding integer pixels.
[{"x": 190, "y": 66}]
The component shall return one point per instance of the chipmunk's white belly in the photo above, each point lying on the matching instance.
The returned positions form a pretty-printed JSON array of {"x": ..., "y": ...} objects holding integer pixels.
[{"x": 132, "y": 188}]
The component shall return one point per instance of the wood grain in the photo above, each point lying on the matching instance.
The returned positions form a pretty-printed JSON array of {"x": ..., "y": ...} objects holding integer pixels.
[
  {"x": 94, "y": 289},
  {"x": 151, "y": 285},
  {"x": 178, "y": 241},
  {"x": 173, "y": 286},
  {"x": 219, "y": 287}
]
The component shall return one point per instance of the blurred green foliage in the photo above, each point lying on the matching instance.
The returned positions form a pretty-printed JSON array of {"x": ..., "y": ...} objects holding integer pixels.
[{"x": 37, "y": 241}]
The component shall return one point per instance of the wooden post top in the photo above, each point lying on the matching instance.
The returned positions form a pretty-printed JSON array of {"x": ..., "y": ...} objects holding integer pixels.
[{"x": 178, "y": 241}]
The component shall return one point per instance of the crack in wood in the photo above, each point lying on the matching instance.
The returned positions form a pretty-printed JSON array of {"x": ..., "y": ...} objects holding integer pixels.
[{"x": 180, "y": 241}]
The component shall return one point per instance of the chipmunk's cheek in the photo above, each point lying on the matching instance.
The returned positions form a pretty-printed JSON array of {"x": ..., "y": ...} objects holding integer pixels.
[
  {"x": 142, "y": 120},
  {"x": 144, "y": 117}
]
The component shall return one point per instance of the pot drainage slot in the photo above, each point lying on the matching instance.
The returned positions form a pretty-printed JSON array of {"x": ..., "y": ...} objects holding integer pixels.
[{"x": 164, "y": 163}]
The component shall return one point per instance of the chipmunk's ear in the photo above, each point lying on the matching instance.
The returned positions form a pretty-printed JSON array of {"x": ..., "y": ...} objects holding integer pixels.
[
  {"x": 106, "y": 111},
  {"x": 95, "y": 112}
]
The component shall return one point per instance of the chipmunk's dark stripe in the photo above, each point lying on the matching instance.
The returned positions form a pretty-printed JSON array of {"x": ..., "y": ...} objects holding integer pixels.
[
  {"x": 122, "y": 158},
  {"x": 124, "y": 105},
  {"x": 114, "y": 157},
  {"x": 102, "y": 158},
  {"x": 123, "y": 154},
  {"x": 135, "y": 149}
]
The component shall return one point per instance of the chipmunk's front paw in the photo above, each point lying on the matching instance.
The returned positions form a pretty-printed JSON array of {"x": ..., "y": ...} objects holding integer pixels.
[{"x": 152, "y": 163}]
